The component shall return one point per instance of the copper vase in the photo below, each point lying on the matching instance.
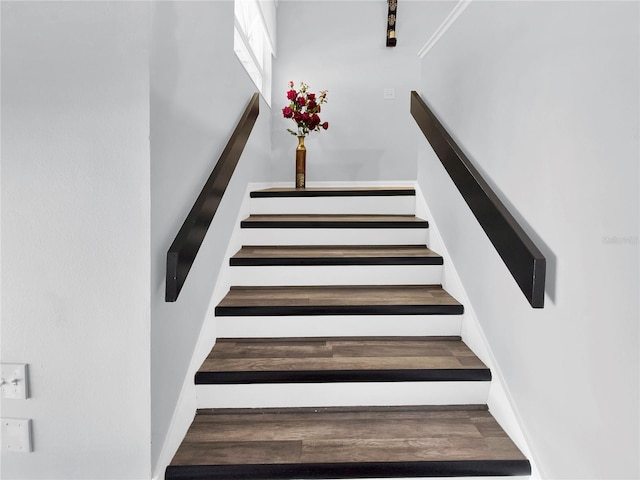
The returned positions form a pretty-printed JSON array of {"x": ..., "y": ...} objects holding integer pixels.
[{"x": 301, "y": 163}]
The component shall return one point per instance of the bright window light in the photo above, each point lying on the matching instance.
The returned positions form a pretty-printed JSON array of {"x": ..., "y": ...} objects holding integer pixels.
[{"x": 252, "y": 42}]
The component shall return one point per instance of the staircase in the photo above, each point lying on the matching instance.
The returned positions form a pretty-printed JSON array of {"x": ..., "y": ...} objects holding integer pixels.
[{"x": 338, "y": 352}]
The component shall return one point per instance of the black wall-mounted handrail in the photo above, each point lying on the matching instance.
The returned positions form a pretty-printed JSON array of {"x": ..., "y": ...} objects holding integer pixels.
[
  {"x": 183, "y": 250},
  {"x": 523, "y": 259}
]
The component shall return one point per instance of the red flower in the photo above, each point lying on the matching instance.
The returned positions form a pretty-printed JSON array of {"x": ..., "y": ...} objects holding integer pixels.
[{"x": 304, "y": 108}]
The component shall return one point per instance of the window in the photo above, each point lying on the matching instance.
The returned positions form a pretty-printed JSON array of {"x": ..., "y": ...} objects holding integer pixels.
[{"x": 254, "y": 40}]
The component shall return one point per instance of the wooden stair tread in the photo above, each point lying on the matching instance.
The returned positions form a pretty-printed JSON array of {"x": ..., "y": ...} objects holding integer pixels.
[
  {"x": 336, "y": 255},
  {"x": 338, "y": 300},
  {"x": 333, "y": 221},
  {"x": 340, "y": 442},
  {"x": 312, "y": 442},
  {"x": 333, "y": 192},
  {"x": 286, "y": 360}
]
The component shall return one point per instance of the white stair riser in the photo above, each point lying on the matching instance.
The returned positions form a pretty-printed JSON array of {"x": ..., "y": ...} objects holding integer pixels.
[
  {"x": 394, "y": 205},
  {"x": 338, "y": 326},
  {"x": 337, "y": 275},
  {"x": 335, "y": 236},
  {"x": 341, "y": 394}
]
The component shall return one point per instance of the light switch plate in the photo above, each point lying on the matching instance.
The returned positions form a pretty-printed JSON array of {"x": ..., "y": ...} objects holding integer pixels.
[
  {"x": 389, "y": 93},
  {"x": 15, "y": 381},
  {"x": 16, "y": 435}
]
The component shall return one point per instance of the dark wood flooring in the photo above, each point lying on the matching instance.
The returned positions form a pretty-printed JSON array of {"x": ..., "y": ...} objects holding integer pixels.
[
  {"x": 336, "y": 255},
  {"x": 339, "y": 353},
  {"x": 338, "y": 300},
  {"x": 342, "y": 442},
  {"x": 369, "y": 437},
  {"x": 334, "y": 192},
  {"x": 340, "y": 359},
  {"x": 333, "y": 221}
]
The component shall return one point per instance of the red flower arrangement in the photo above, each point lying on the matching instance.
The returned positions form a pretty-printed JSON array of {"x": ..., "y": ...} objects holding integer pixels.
[{"x": 303, "y": 109}]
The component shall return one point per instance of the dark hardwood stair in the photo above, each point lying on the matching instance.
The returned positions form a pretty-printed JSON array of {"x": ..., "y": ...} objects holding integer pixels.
[
  {"x": 279, "y": 192},
  {"x": 338, "y": 300},
  {"x": 340, "y": 359},
  {"x": 335, "y": 255},
  {"x": 333, "y": 221},
  {"x": 353, "y": 442},
  {"x": 289, "y": 368}
]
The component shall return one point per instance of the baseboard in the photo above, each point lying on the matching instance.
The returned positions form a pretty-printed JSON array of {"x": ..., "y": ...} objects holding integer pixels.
[{"x": 500, "y": 402}]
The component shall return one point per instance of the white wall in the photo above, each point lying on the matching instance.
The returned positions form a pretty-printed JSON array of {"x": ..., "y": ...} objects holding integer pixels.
[
  {"x": 340, "y": 47},
  {"x": 198, "y": 93},
  {"x": 75, "y": 235},
  {"x": 544, "y": 98}
]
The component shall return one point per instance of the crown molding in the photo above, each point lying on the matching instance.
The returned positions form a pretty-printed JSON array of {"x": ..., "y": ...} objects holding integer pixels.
[{"x": 444, "y": 26}]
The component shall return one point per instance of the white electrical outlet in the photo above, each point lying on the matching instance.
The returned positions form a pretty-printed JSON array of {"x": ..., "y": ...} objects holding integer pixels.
[
  {"x": 16, "y": 435},
  {"x": 389, "y": 93},
  {"x": 14, "y": 381}
]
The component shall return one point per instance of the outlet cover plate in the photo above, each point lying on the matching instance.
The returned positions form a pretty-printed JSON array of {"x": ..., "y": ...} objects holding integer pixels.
[
  {"x": 16, "y": 435},
  {"x": 16, "y": 381}
]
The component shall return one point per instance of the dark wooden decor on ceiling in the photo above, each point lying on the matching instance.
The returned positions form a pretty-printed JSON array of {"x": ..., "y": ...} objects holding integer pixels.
[{"x": 391, "y": 22}]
